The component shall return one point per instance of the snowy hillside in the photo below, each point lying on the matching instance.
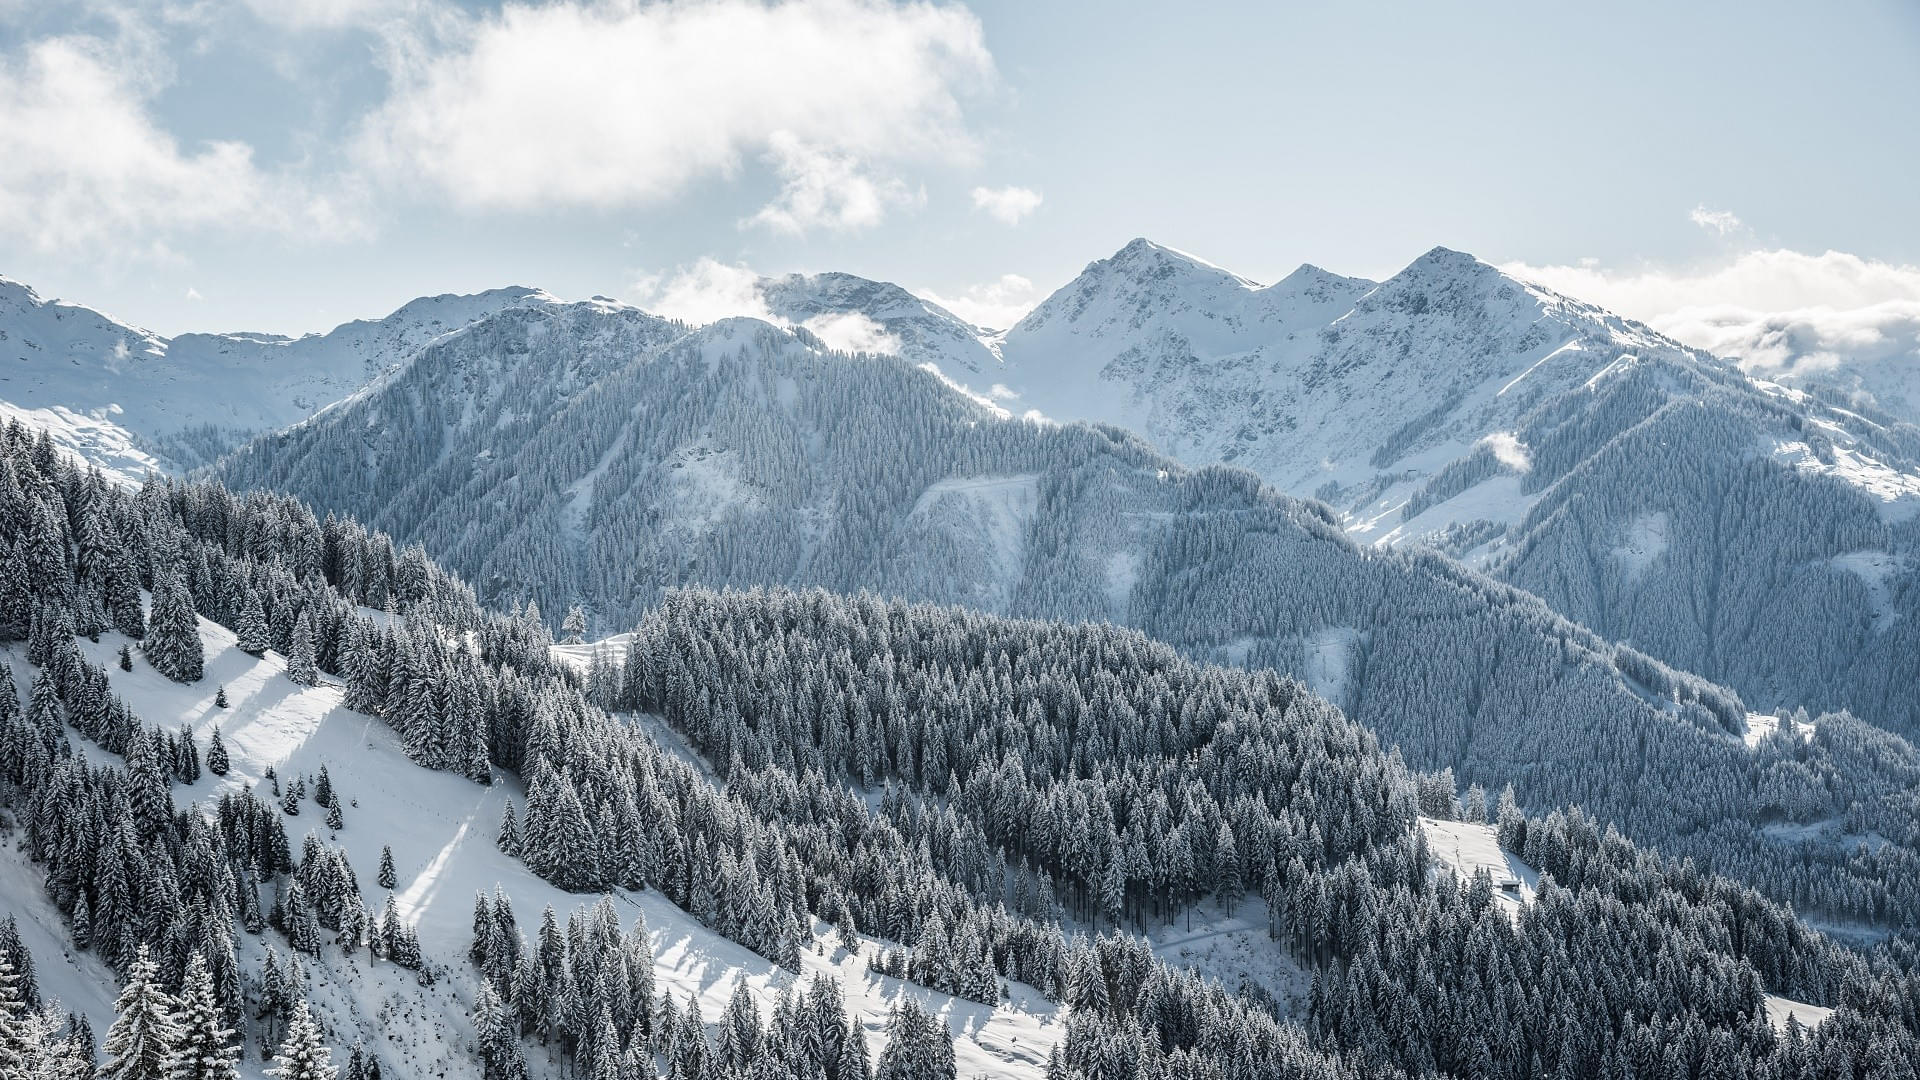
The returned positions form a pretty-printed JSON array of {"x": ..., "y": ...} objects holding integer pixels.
[
  {"x": 129, "y": 399},
  {"x": 441, "y": 829}
]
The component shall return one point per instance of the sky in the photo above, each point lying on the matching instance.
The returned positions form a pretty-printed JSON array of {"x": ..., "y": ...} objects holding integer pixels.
[{"x": 1720, "y": 169}]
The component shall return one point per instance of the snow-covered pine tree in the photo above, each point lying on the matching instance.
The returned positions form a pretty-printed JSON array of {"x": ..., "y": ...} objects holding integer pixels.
[
  {"x": 250, "y": 631},
  {"x": 141, "y": 1041},
  {"x": 172, "y": 643},
  {"x": 216, "y": 754},
  {"x": 302, "y": 667},
  {"x": 918, "y": 1046},
  {"x": 206, "y": 1049},
  {"x": 509, "y": 838},
  {"x": 17, "y": 1038},
  {"x": 574, "y": 626},
  {"x": 302, "y": 1054},
  {"x": 385, "y": 876}
]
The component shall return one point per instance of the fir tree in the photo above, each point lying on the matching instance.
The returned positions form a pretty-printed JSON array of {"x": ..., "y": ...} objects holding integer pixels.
[
  {"x": 172, "y": 643},
  {"x": 206, "y": 1049},
  {"x": 302, "y": 1055},
  {"x": 216, "y": 755},
  {"x": 386, "y": 878},
  {"x": 141, "y": 1041},
  {"x": 918, "y": 1046},
  {"x": 19, "y": 1048},
  {"x": 301, "y": 665},
  {"x": 250, "y": 632},
  {"x": 509, "y": 838},
  {"x": 82, "y": 923},
  {"x": 220, "y": 696},
  {"x": 126, "y": 658}
]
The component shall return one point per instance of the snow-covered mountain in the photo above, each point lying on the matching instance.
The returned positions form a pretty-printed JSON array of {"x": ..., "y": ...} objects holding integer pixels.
[
  {"x": 595, "y": 455},
  {"x": 1519, "y": 429},
  {"x": 128, "y": 399},
  {"x": 797, "y": 836}
]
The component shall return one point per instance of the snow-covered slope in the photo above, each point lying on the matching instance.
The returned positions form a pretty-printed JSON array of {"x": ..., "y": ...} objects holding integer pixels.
[
  {"x": 1340, "y": 387},
  {"x": 129, "y": 399},
  {"x": 1347, "y": 389},
  {"x": 441, "y": 828}
]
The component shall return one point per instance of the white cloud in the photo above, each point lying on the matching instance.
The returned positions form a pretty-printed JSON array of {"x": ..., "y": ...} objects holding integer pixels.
[
  {"x": 1720, "y": 222},
  {"x": 705, "y": 292},
  {"x": 852, "y": 331},
  {"x": 194, "y": 294},
  {"x": 821, "y": 189},
  {"x": 611, "y": 103},
  {"x": 710, "y": 290},
  {"x": 1008, "y": 204},
  {"x": 996, "y": 304},
  {"x": 85, "y": 169},
  {"x": 1782, "y": 314},
  {"x": 1508, "y": 450}
]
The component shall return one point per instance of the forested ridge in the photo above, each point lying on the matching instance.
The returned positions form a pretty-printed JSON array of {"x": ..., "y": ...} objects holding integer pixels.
[
  {"x": 741, "y": 455},
  {"x": 1100, "y": 740}
]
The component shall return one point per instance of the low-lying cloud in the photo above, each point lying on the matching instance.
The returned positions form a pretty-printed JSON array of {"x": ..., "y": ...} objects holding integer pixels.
[
  {"x": 1833, "y": 317},
  {"x": 710, "y": 290}
]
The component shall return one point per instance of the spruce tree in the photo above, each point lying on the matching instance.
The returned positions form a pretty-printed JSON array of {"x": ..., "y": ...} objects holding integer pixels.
[
  {"x": 220, "y": 696},
  {"x": 918, "y": 1046},
  {"x": 301, "y": 665},
  {"x": 250, "y": 631},
  {"x": 18, "y": 1040},
  {"x": 386, "y": 877},
  {"x": 206, "y": 1049},
  {"x": 141, "y": 1042},
  {"x": 172, "y": 643},
  {"x": 216, "y": 755},
  {"x": 126, "y": 658},
  {"x": 302, "y": 1055}
]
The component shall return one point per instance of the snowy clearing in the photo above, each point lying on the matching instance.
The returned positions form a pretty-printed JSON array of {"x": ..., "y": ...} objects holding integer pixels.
[
  {"x": 1808, "y": 1016},
  {"x": 1463, "y": 848}
]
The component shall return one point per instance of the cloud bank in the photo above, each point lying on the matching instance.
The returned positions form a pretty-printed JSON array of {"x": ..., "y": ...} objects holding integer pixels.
[
  {"x": 85, "y": 168},
  {"x": 1834, "y": 318},
  {"x": 996, "y": 304},
  {"x": 614, "y": 104}
]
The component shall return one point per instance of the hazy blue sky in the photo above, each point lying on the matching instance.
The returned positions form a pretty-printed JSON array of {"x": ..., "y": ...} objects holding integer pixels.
[{"x": 288, "y": 164}]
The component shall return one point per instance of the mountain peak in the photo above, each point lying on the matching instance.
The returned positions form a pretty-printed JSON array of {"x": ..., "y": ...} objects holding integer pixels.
[
  {"x": 1447, "y": 260},
  {"x": 1317, "y": 283},
  {"x": 1143, "y": 255}
]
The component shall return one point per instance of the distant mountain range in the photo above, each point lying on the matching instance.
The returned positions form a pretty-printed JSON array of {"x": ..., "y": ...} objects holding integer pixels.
[{"x": 1758, "y": 535}]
